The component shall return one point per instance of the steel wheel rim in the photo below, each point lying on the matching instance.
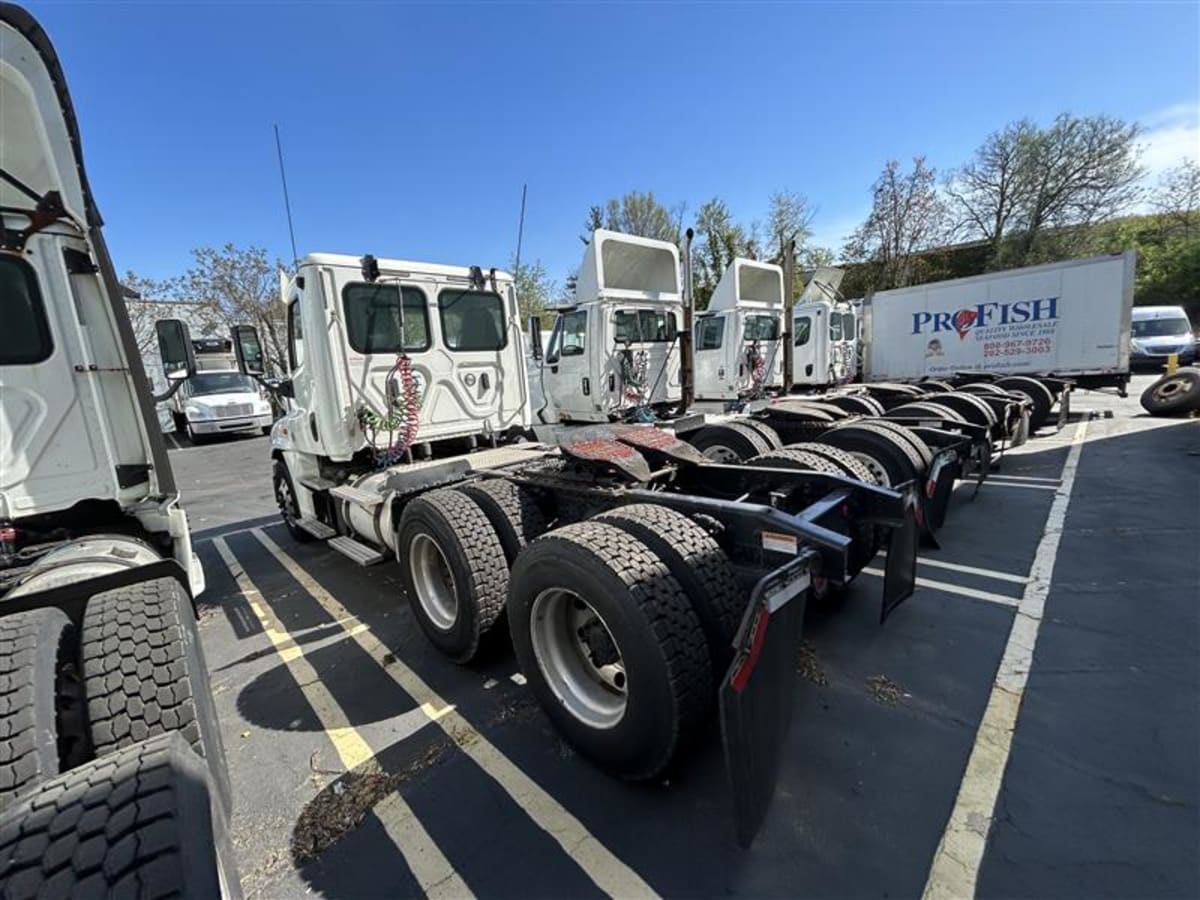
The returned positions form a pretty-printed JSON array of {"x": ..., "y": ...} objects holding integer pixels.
[
  {"x": 873, "y": 464},
  {"x": 593, "y": 691},
  {"x": 433, "y": 581},
  {"x": 719, "y": 453}
]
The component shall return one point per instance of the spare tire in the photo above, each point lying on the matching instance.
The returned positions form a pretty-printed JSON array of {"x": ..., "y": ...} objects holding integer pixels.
[
  {"x": 1173, "y": 395},
  {"x": 1042, "y": 399}
]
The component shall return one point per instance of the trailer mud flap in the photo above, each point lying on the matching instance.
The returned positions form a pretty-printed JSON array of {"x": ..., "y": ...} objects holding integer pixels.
[
  {"x": 756, "y": 693},
  {"x": 900, "y": 576}
]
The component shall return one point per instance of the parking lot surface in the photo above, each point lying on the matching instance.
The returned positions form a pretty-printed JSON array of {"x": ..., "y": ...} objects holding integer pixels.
[{"x": 1024, "y": 725}]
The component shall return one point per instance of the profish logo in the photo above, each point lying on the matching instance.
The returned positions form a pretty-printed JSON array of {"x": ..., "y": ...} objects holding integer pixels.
[
  {"x": 968, "y": 319},
  {"x": 963, "y": 320}
]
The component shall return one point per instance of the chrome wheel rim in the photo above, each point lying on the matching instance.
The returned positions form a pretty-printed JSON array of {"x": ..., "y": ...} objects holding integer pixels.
[
  {"x": 578, "y": 657},
  {"x": 433, "y": 581}
]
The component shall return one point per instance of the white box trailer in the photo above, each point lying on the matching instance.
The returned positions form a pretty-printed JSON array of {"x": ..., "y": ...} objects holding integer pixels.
[{"x": 1068, "y": 319}]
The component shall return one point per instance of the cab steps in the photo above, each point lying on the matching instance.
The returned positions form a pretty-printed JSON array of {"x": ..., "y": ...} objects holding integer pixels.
[{"x": 361, "y": 553}]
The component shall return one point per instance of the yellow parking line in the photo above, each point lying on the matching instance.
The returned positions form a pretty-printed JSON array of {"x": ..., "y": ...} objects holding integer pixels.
[
  {"x": 608, "y": 872},
  {"x": 428, "y": 865}
]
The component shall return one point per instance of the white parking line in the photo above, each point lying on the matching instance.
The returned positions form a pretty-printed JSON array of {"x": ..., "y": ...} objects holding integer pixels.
[
  {"x": 994, "y": 574},
  {"x": 608, "y": 872},
  {"x": 949, "y": 588},
  {"x": 1017, "y": 484},
  {"x": 1004, "y": 477},
  {"x": 428, "y": 865},
  {"x": 955, "y": 869},
  {"x": 175, "y": 442}
]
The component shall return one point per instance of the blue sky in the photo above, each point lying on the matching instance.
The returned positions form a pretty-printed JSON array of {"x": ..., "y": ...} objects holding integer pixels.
[{"x": 409, "y": 130}]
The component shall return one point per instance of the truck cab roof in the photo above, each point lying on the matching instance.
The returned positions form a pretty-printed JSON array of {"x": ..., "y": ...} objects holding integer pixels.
[{"x": 399, "y": 267}]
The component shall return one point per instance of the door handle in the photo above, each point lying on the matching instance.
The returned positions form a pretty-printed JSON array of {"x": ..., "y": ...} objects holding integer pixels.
[
  {"x": 485, "y": 382},
  {"x": 587, "y": 387}
]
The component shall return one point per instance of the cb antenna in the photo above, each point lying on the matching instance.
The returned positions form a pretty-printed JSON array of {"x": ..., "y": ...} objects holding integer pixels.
[
  {"x": 520, "y": 229},
  {"x": 287, "y": 203}
]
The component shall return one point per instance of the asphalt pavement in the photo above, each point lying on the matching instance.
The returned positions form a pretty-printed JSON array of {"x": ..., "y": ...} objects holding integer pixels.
[{"x": 1062, "y": 602}]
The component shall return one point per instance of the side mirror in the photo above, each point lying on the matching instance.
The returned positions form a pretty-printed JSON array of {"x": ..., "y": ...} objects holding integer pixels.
[
  {"x": 535, "y": 337},
  {"x": 248, "y": 349},
  {"x": 175, "y": 348}
]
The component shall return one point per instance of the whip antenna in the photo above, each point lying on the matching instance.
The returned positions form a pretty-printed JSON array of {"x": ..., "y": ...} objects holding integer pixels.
[{"x": 287, "y": 203}]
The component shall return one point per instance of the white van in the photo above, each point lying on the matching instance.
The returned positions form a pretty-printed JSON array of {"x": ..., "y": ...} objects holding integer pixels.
[{"x": 1159, "y": 331}]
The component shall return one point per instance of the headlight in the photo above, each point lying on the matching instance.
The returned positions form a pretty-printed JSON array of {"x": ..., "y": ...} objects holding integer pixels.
[
  {"x": 262, "y": 408},
  {"x": 198, "y": 412}
]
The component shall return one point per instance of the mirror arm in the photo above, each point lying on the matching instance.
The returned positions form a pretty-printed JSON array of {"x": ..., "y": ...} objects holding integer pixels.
[
  {"x": 283, "y": 389},
  {"x": 169, "y": 392}
]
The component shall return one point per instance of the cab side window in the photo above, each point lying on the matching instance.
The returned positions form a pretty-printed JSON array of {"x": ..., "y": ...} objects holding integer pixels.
[
  {"x": 803, "y": 330},
  {"x": 710, "y": 333},
  {"x": 295, "y": 335},
  {"x": 569, "y": 337}
]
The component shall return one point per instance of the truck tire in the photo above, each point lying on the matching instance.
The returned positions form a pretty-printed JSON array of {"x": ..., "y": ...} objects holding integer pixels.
[
  {"x": 728, "y": 442},
  {"x": 768, "y": 434},
  {"x": 890, "y": 457},
  {"x": 698, "y": 564},
  {"x": 512, "y": 510},
  {"x": 927, "y": 410},
  {"x": 285, "y": 499},
  {"x": 1173, "y": 395},
  {"x": 969, "y": 406},
  {"x": 139, "y": 822},
  {"x": 41, "y": 714},
  {"x": 982, "y": 387},
  {"x": 851, "y": 465},
  {"x": 910, "y": 437},
  {"x": 454, "y": 570},
  {"x": 858, "y": 404},
  {"x": 1043, "y": 399},
  {"x": 611, "y": 646},
  {"x": 790, "y": 458},
  {"x": 144, "y": 674},
  {"x": 933, "y": 386}
]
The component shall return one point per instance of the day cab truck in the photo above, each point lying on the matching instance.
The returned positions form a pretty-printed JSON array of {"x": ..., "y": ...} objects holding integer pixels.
[
  {"x": 738, "y": 355},
  {"x": 644, "y": 584},
  {"x": 112, "y": 773}
]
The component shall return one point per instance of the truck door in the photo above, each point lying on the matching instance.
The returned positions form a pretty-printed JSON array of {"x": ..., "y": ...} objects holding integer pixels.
[
  {"x": 643, "y": 356},
  {"x": 712, "y": 369},
  {"x": 804, "y": 352},
  {"x": 569, "y": 381}
]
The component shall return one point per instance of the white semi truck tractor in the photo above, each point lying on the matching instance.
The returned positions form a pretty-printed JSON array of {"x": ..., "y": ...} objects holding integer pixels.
[
  {"x": 645, "y": 585},
  {"x": 112, "y": 773}
]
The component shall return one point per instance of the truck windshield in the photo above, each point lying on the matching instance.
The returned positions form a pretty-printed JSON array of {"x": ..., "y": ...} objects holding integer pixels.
[
  {"x": 221, "y": 383},
  {"x": 1160, "y": 328},
  {"x": 762, "y": 328},
  {"x": 643, "y": 326}
]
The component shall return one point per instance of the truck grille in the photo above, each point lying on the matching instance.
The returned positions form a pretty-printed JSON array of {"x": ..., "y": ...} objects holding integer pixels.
[{"x": 235, "y": 409}]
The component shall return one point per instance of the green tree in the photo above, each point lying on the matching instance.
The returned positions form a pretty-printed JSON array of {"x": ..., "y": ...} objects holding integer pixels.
[
  {"x": 719, "y": 240},
  {"x": 239, "y": 285},
  {"x": 643, "y": 215},
  {"x": 535, "y": 290},
  {"x": 907, "y": 217}
]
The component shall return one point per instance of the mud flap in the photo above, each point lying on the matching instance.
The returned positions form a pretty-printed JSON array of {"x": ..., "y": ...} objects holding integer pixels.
[
  {"x": 900, "y": 576},
  {"x": 756, "y": 693},
  {"x": 939, "y": 486}
]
